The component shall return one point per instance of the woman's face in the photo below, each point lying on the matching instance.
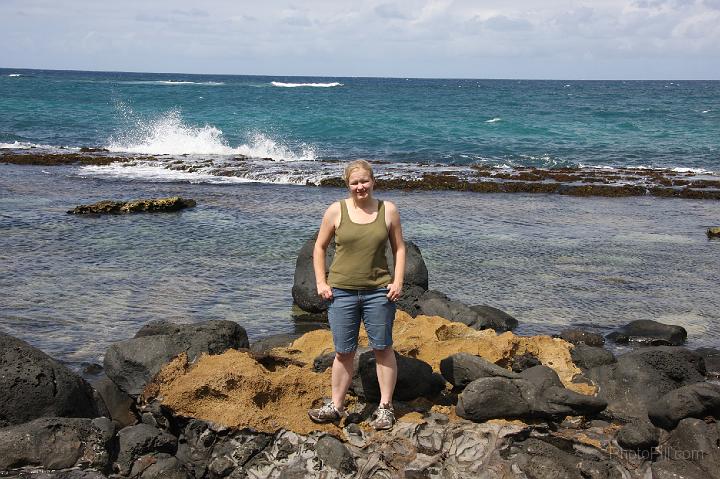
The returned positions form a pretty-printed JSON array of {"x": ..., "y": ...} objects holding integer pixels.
[{"x": 361, "y": 184}]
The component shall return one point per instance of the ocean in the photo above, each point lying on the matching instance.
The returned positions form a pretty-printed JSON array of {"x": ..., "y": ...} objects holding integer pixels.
[{"x": 251, "y": 151}]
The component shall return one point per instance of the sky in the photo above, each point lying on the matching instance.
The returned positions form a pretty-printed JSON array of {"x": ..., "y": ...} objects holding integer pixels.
[{"x": 548, "y": 39}]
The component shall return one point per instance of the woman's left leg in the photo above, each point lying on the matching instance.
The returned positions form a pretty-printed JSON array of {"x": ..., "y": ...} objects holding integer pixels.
[
  {"x": 378, "y": 317},
  {"x": 386, "y": 367}
]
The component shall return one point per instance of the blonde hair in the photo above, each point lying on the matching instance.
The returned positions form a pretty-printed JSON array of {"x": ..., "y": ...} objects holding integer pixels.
[{"x": 357, "y": 165}]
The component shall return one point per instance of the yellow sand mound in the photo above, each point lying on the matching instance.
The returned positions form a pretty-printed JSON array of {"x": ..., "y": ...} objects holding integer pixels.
[{"x": 233, "y": 389}]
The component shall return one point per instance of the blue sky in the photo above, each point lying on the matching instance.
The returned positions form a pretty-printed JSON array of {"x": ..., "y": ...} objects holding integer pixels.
[{"x": 601, "y": 39}]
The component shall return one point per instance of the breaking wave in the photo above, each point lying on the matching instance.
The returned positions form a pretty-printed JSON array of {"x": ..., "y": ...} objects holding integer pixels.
[
  {"x": 169, "y": 134},
  {"x": 296, "y": 85}
]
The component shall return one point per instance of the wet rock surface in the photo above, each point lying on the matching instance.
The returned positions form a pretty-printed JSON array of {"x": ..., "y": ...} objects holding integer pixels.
[
  {"x": 155, "y": 205},
  {"x": 578, "y": 336},
  {"x": 645, "y": 331},
  {"x": 34, "y": 385},
  {"x": 57, "y": 159}
]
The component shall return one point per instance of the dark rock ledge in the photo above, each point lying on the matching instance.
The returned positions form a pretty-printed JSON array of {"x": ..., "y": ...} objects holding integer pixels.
[{"x": 57, "y": 159}]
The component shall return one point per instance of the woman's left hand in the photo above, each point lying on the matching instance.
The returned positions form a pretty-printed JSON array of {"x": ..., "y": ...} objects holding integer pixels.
[{"x": 394, "y": 291}]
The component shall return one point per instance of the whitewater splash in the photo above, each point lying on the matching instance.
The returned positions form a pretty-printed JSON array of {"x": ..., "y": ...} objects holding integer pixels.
[
  {"x": 168, "y": 134},
  {"x": 493, "y": 120},
  {"x": 296, "y": 85}
]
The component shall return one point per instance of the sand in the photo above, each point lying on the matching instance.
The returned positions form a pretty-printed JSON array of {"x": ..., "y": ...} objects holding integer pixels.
[{"x": 234, "y": 389}]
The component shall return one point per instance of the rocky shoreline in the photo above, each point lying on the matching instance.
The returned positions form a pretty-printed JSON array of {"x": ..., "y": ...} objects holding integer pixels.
[
  {"x": 584, "y": 182},
  {"x": 473, "y": 399}
]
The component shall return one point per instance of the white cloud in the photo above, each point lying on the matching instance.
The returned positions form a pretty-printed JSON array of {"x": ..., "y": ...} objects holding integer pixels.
[{"x": 493, "y": 38}]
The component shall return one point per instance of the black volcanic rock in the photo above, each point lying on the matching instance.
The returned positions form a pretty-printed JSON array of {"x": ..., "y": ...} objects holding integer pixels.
[
  {"x": 645, "y": 331},
  {"x": 34, "y": 385}
]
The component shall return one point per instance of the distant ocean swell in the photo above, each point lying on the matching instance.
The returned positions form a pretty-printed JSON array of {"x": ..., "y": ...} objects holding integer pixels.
[{"x": 171, "y": 149}]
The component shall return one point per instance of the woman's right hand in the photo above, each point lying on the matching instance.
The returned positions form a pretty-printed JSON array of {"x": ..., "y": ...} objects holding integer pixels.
[{"x": 325, "y": 291}]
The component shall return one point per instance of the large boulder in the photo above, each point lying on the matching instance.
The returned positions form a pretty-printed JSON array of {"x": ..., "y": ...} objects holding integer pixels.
[
  {"x": 435, "y": 303},
  {"x": 691, "y": 452},
  {"x": 133, "y": 362},
  {"x": 33, "y": 385},
  {"x": 409, "y": 298},
  {"x": 646, "y": 331},
  {"x": 416, "y": 273},
  {"x": 304, "y": 290},
  {"x": 640, "y": 377},
  {"x": 57, "y": 443},
  {"x": 415, "y": 378},
  {"x": 697, "y": 400},
  {"x": 536, "y": 393}
]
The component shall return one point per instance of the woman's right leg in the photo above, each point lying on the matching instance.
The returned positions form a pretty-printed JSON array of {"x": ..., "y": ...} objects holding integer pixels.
[
  {"x": 342, "y": 373},
  {"x": 344, "y": 318}
]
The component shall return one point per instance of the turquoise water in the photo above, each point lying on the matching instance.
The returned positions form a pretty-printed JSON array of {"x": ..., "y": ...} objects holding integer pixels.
[
  {"x": 72, "y": 285},
  {"x": 515, "y": 122}
]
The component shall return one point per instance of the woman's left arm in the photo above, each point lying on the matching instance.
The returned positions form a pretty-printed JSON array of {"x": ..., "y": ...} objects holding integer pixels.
[{"x": 398, "y": 247}]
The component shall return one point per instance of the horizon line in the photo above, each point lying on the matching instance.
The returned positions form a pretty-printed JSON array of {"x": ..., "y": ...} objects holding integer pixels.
[{"x": 353, "y": 76}]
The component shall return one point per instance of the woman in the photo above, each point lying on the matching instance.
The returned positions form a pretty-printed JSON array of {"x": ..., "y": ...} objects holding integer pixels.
[{"x": 360, "y": 287}]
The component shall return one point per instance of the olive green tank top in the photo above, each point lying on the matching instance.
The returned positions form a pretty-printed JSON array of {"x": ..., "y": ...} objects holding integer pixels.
[{"x": 359, "y": 261}]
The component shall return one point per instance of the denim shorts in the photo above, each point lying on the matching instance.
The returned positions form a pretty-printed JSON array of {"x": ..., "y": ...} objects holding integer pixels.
[{"x": 349, "y": 307}]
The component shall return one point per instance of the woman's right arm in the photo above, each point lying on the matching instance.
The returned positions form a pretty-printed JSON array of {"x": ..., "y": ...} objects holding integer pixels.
[{"x": 325, "y": 235}]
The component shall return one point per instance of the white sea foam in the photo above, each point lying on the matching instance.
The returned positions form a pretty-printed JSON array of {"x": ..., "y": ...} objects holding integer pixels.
[
  {"x": 296, "y": 85},
  {"x": 678, "y": 169},
  {"x": 25, "y": 145},
  {"x": 154, "y": 171},
  {"x": 158, "y": 171},
  {"x": 699, "y": 171},
  {"x": 172, "y": 82},
  {"x": 168, "y": 134},
  {"x": 493, "y": 120}
]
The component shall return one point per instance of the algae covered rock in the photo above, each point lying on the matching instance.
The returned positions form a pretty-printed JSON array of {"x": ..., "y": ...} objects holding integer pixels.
[{"x": 156, "y": 205}]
